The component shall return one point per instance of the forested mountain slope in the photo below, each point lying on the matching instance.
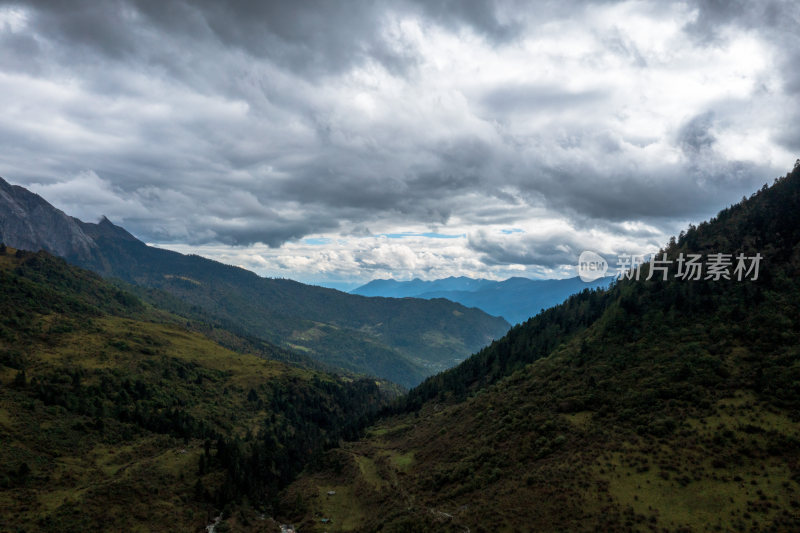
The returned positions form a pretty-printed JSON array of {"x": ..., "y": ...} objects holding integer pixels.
[
  {"x": 656, "y": 405},
  {"x": 115, "y": 417}
]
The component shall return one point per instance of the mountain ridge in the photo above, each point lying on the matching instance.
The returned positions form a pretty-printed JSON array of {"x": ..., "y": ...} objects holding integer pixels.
[
  {"x": 401, "y": 340},
  {"x": 28, "y": 221},
  {"x": 515, "y": 299},
  {"x": 415, "y": 287}
]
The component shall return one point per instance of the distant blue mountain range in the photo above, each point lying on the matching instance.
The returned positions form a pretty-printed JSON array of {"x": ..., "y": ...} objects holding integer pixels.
[{"x": 515, "y": 299}]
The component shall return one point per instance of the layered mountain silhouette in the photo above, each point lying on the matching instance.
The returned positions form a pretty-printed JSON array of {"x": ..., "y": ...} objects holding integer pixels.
[
  {"x": 401, "y": 340},
  {"x": 515, "y": 299},
  {"x": 417, "y": 287}
]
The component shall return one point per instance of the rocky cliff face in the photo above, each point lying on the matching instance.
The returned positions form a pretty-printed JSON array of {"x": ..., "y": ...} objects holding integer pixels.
[{"x": 28, "y": 222}]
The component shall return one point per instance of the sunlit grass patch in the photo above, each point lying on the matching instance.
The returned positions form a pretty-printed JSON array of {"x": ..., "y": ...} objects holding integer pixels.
[
  {"x": 341, "y": 508},
  {"x": 401, "y": 461}
]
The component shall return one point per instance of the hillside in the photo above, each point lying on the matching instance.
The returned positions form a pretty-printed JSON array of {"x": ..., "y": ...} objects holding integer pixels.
[
  {"x": 400, "y": 340},
  {"x": 115, "y": 417},
  {"x": 654, "y": 406}
]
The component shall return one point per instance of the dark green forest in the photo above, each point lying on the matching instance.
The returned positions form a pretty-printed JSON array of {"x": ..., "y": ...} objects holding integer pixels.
[
  {"x": 768, "y": 223},
  {"x": 118, "y": 371}
]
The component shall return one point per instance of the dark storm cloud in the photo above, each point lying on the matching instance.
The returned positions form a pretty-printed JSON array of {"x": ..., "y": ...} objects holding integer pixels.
[
  {"x": 373, "y": 181},
  {"x": 98, "y": 26},
  {"x": 313, "y": 36},
  {"x": 549, "y": 251},
  {"x": 20, "y": 53},
  {"x": 243, "y": 122},
  {"x": 271, "y": 233},
  {"x": 691, "y": 192}
]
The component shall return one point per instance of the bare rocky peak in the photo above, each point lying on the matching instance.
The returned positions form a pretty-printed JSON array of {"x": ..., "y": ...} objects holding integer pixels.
[{"x": 29, "y": 222}]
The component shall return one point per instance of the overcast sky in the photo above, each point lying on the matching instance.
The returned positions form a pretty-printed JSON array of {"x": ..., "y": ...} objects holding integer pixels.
[{"x": 345, "y": 141}]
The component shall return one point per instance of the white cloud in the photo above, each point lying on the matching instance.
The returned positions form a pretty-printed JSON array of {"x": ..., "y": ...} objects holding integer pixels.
[{"x": 215, "y": 131}]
